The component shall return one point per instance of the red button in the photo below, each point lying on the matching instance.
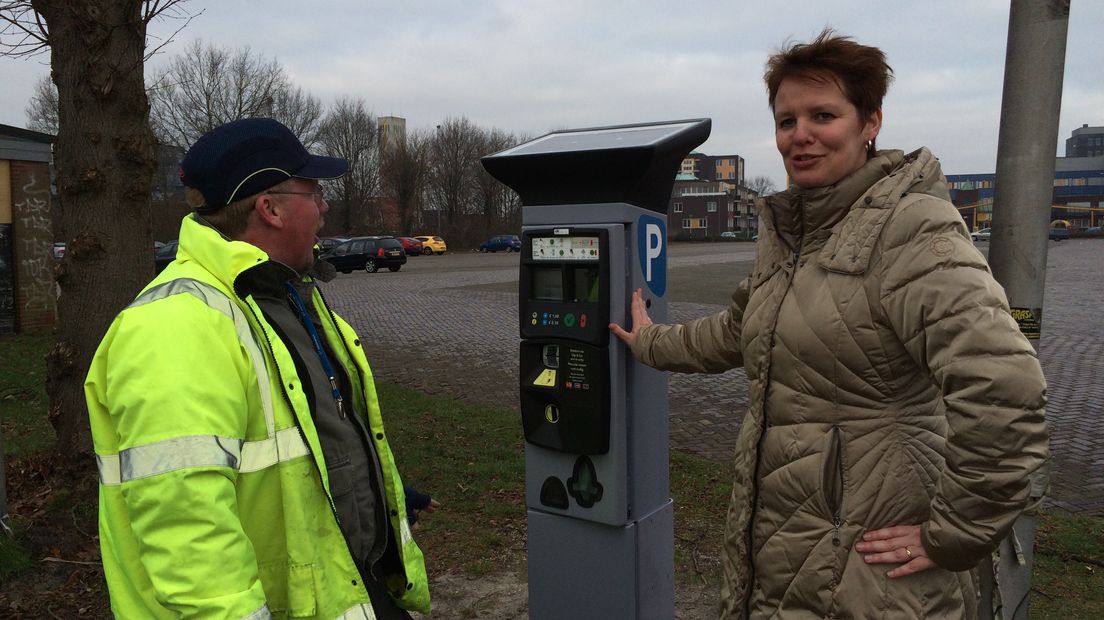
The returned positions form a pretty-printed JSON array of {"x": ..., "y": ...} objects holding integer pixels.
[{"x": 582, "y": 320}]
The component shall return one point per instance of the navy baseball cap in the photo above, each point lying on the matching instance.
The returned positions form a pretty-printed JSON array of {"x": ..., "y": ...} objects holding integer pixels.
[{"x": 248, "y": 156}]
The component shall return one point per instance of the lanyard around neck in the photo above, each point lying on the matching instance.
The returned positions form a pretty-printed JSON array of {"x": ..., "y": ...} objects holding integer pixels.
[{"x": 293, "y": 294}]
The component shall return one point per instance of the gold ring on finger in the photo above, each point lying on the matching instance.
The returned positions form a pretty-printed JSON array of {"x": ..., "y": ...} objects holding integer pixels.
[{"x": 908, "y": 552}]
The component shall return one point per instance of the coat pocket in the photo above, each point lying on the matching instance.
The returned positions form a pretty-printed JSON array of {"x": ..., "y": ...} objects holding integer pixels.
[
  {"x": 831, "y": 481},
  {"x": 289, "y": 588}
]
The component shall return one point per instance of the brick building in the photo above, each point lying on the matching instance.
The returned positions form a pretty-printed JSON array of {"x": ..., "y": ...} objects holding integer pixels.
[
  {"x": 709, "y": 198},
  {"x": 28, "y": 293}
]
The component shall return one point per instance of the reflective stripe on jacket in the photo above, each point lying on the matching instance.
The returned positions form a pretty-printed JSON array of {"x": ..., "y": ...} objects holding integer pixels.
[{"x": 214, "y": 500}]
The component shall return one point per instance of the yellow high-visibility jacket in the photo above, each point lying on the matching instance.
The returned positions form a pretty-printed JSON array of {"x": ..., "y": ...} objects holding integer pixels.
[{"x": 214, "y": 497}]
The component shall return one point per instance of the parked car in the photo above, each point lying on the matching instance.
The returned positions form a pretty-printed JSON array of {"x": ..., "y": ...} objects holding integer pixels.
[
  {"x": 368, "y": 253},
  {"x": 432, "y": 244},
  {"x": 1093, "y": 231},
  {"x": 507, "y": 243},
  {"x": 1059, "y": 233},
  {"x": 164, "y": 255},
  {"x": 325, "y": 244},
  {"x": 728, "y": 234},
  {"x": 411, "y": 246},
  {"x": 981, "y": 235}
]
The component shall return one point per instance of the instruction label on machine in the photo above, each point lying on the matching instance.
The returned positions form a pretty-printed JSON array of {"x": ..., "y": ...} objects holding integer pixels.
[
  {"x": 1030, "y": 321},
  {"x": 565, "y": 248},
  {"x": 578, "y": 370}
]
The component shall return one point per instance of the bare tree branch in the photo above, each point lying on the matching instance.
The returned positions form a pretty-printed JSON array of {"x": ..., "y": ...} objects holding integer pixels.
[
  {"x": 349, "y": 131},
  {"x": 166, "y": 11},
  {"x": 23, "y": 32},
  {"x": 42, "y": 110},
  {"x": 207, "y": 86},
  {"x": 761, "y": 185}
]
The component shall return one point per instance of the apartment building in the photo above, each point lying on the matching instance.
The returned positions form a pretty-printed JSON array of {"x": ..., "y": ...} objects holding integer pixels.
[{"x": 709, "y": 198}]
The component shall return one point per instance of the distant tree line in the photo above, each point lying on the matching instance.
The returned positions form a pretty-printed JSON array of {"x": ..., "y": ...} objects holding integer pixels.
[{"x": 426, "y": 181}]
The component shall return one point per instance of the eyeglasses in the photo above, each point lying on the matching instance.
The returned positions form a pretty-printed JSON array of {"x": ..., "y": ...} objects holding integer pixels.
[{"x": 319, "y": 194}]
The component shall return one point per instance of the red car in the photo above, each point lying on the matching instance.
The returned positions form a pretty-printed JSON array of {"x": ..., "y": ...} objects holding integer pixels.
[{"x": 411, "y": 246}]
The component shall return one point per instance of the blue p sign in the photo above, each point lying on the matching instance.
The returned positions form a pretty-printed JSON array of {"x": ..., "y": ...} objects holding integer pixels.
[{"x": 651, "y": 243}]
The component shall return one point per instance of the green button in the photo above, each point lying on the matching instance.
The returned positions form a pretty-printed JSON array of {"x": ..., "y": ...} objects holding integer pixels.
[{"x": 569, "y": 320}]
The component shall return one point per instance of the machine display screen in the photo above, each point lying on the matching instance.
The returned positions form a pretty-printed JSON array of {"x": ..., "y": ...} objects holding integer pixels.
[
  {"x": 547, "y": 284},
  {"x": 585, "y": 282},
  {"x": 565, "y": 248}
]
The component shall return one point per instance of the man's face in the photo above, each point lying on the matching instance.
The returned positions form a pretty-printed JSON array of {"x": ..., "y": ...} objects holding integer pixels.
[{"x": 302, "y": 209}]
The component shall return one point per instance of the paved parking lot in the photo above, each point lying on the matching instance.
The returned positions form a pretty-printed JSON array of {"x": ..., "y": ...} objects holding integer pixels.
[{"x": 448, "y": 325}]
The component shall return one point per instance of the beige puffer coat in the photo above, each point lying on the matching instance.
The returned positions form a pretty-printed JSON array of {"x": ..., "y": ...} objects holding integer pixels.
[{"x": 888, "y": 384}]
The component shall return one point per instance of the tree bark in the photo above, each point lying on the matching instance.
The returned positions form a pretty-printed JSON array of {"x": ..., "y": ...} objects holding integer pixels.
[{"x": 104, "y": 162}]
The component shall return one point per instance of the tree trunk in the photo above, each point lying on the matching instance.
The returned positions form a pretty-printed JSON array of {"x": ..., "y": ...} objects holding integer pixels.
[{"x": 104, "y": 161}]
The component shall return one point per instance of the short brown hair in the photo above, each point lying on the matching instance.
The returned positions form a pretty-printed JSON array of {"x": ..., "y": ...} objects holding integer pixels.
[
  {"x": 232, "y": 219},
  {"x": 860, "y": 71}
]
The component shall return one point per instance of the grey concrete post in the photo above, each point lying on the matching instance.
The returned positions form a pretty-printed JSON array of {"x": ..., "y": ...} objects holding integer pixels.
[{"x": 1022, "y": 199}]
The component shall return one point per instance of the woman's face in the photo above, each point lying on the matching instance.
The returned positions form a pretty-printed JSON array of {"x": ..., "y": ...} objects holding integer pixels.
[{"x": 819, "y": 133}]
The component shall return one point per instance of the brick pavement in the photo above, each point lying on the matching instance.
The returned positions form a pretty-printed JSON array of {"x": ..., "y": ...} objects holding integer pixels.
[{"x": 437, "y": 328}]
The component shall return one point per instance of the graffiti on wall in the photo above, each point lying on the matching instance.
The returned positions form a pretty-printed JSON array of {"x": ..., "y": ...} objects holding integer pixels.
[{"x": 36, "y": 267}]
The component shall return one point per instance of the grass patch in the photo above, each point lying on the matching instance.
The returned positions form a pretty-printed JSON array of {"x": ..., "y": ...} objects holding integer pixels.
[
  {"x": 24, "y": 428},
  {"x": 700, "y": 489},
  {"x": 471, "y": 460},
  {"x": 23, "y": 402},
  {"x": 1069, "y": 567}
]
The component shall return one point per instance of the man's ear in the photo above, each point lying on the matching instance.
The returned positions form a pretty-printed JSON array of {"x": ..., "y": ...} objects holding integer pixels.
[{"x": 268, "y": 211}]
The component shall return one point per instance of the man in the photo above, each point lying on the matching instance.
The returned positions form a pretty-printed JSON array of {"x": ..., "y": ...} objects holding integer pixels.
[{"x": 244, "y": 469}]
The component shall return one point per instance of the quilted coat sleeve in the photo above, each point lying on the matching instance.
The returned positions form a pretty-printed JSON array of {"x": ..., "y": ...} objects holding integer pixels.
[
  {"x": 709, "y": 344},
  {"x": 953, "y": 317}
]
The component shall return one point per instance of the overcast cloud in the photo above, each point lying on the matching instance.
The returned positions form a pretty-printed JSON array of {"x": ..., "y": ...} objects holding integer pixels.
[{"x": 531, "y": 66}]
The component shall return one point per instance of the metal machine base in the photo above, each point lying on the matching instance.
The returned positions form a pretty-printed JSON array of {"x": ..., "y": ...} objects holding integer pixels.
[{"x": 580, "y": 570}]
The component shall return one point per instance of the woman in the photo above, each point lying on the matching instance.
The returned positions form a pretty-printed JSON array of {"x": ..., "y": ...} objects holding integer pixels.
[{"x": 896, "y": 411}]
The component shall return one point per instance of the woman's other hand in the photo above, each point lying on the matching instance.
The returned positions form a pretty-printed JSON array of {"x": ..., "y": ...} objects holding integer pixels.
[
  {"x": 896, "y": 545},
  {"x": 640, "y": 318}
]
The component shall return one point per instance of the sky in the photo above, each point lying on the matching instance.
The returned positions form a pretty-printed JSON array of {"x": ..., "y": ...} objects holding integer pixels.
[{"x": 534, "y": 66}]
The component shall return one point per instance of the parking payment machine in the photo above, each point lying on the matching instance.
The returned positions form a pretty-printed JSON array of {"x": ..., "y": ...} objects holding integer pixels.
[{"x": 601, "y": 541}]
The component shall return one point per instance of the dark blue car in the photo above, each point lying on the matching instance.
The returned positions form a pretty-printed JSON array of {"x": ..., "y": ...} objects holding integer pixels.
[{"x": 506, "y": 243}]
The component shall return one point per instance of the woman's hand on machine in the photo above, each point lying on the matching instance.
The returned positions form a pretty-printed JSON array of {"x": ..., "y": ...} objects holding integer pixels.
[{"x": 640, "y": 318}]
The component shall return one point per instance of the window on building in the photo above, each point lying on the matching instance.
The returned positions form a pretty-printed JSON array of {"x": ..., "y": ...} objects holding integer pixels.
[
  {"x": 678, "y": 207},
  {"x": 686, "y": 222},
  {"x": 711, "y": 206}
]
